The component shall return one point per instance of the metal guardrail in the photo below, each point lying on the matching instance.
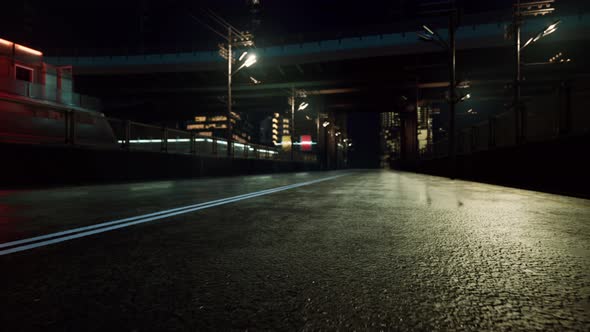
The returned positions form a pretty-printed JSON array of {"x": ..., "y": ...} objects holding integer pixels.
[
  {"x": 139, "y": 136},
  {"x": 499, "y": 131},
  {"x": 46, "y": 93},
  {"x": 47, "y": 124}
]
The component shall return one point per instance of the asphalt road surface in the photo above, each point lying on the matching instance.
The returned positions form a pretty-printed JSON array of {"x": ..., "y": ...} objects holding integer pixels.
[{"x": 360, "y": 250}]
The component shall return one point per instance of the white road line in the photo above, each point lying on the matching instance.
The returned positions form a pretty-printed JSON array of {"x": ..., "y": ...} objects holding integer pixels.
[{"x": 79, "y": 232}]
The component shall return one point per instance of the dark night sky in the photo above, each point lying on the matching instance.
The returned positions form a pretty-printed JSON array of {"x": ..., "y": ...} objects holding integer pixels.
[{"x": 104, "y": 26}]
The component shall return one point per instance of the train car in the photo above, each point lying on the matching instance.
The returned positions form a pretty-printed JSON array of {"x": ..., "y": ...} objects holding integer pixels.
[{"x": 38, "y": 104}]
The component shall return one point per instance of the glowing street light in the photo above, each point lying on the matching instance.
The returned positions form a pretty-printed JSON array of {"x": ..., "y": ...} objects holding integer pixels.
[
  {"x": 430, "y": 35},
  {"x": 242, "y": 56},
  {"x": 546, "y": 32},
  {"x": 302, "y": 106},
  {"x": 529, "y": 8},
  {"x": 250, "y": 60},
  {"x": 325, "y": 124},
  {"x": 427, "y": 29}
]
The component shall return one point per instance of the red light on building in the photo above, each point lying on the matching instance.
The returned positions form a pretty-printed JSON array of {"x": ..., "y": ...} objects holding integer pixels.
[
  {"x": 305, "y": 142},
  {"x": 20, "y": 48},
  {"x": 5, "y": 42},
  {"x": 28, "y": 50}
]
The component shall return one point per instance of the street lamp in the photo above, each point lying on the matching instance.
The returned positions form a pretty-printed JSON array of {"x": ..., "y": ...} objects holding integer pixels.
[
  {"x": 250, "y": 60},
  {"x": 430, "y": 35},
  {"x": 236, "y": 38},
  {"x": 247, "y": 59},
  {"x": 465, "y": 97},
  {"x": 521, "y": 10},
  {"x": 303, "y": 106}
]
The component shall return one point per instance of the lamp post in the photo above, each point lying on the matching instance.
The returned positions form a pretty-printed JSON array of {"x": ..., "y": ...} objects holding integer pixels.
[
  {"x": 292, "y": 122},
  {"x": 229, "y": 99},
  {"x": 431, "y": 35},
  {"x": 520, "y": 11},
  {"x": 245, "y": 60},
  {"x": 452, "y": 68},
  {"x": 325, "y": 125}
]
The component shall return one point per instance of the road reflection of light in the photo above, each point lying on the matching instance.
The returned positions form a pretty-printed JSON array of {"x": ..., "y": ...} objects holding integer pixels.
[
  {"x": 151, "y": 186},
  {"x": 261, "y": 177},
  {"x": 302, "y": 174}
]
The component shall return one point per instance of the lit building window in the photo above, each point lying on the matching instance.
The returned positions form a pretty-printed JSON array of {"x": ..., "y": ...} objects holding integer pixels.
[
  {"x": 218, "y": 118},
  {"x": 200, "y": 118},
  {"x": 195, "y": 126}
]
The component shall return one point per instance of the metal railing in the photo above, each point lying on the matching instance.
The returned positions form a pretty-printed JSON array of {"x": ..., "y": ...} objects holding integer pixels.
[
  {"x": 139, "y": 136},
  {"x": 46, "y": 124},
  {"x": 47, "y": 93},
  {"x": 545, "y": 121}
]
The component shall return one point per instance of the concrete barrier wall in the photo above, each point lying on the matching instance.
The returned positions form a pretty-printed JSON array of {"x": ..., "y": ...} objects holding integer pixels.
[
  {"x": 560, "y": 166},
  {"x": 37, "y": 165}
]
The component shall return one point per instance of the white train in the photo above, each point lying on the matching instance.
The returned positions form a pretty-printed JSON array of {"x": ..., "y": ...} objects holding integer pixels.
[{"x": 38, "y": 105}]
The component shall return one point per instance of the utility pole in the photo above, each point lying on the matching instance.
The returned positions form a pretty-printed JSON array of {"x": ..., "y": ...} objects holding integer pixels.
[
  {"x": 318, "y": 133},
  {"x": 452, "y": 96},
  {"x": 292, "y": 123},
  {"x": 240, "y": 39},
  {"x": 326, "y": 152},
  {"x": 229, "y": 99},
  {"x": 518, "y": 116},
  {"x": 532, "y": 8},
  {"x": 430, "y": 35}
]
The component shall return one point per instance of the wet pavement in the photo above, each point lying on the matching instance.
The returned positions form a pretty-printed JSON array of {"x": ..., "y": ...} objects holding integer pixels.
[{"x": 370, "y": 250}]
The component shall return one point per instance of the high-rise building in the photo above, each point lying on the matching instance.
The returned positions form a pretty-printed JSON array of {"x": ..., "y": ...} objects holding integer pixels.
[
  {"x": 424, "y": 128},
  {"x": 214, "y": 124},
  {"x": 390, "y": 137},
  {"x": 281, "y": 129}
]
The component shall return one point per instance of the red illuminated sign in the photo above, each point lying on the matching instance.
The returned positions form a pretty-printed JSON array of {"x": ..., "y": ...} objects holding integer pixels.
[{"x": 305, "y": 142}]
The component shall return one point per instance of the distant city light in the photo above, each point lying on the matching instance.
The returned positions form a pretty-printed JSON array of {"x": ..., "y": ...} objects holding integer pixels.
[{"x": 325, "y": 124}]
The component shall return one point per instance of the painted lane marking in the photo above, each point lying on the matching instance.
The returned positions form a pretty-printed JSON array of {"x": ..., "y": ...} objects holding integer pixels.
[
  {"x": 79, "y": 232},
  {"x": 104, "y": 224}
]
